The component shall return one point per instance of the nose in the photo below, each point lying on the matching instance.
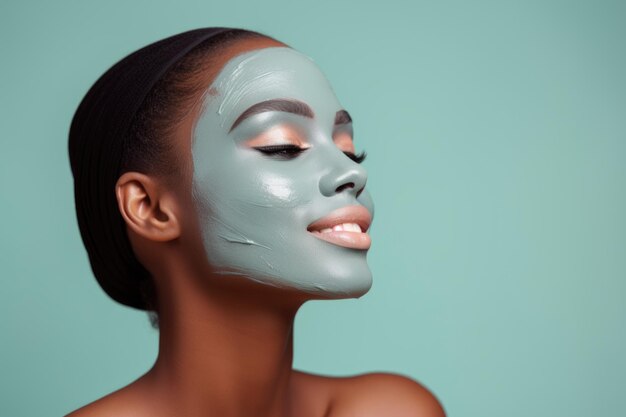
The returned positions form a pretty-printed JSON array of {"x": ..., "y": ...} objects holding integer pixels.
[{"x": 344, "y": 176}]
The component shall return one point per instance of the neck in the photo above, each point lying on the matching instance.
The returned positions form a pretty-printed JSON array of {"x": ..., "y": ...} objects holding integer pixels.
[{"x": 224, "y": 353}]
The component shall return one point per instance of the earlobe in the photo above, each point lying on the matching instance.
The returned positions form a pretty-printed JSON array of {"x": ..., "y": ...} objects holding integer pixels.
[{"x": 146, "y": 207}]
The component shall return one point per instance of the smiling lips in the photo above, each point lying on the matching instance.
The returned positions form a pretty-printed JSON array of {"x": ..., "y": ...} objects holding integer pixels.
[{"x": 345, "y": 227}]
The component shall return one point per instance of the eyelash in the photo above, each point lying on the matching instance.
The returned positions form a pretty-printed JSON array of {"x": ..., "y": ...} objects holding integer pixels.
[
  {"x": 358, "y": 158},
  {"x": 282, "y": 151},
  {"x": 291, "y": 151}
]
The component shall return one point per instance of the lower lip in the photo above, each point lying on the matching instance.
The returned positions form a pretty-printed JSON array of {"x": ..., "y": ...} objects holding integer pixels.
[{"x": 353, "y": 240}]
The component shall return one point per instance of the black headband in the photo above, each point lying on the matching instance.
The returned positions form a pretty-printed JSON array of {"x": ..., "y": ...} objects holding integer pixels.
[{"x": 97, "y": 139}]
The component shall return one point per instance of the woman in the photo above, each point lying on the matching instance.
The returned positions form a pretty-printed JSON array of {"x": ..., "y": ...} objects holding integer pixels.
[{"x": 217, "y": 187}]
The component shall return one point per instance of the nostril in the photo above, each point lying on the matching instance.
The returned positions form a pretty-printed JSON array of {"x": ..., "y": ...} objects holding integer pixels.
[
  {"x": 344, "y": 179},
  {"x": 344, "y": 186}
]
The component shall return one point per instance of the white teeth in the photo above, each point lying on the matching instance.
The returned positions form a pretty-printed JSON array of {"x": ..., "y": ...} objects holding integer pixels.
[{"x": 344, "y": 227}]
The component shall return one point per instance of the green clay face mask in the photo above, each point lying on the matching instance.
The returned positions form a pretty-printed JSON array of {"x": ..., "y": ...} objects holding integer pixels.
[{"x": 259, "y": 204}]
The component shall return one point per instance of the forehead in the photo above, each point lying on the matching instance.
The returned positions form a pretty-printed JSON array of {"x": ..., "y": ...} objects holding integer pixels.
[{"x": 264, "y": 74}]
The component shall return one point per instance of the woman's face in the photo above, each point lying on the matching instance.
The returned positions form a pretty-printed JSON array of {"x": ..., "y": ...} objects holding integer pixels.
[{"x": 269, "y": 161}]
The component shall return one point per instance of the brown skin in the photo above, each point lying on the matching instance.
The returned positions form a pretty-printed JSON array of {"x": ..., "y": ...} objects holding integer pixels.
[{"x": 226, "y": 346}]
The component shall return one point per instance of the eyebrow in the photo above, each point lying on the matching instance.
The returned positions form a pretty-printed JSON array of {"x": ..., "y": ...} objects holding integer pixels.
[
  {"x": 279, "y": 104},
  {"x": 342, "y": 117}
]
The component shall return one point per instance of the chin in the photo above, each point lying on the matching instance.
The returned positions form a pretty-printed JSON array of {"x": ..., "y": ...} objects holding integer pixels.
[{"x": 351, "y": 284}]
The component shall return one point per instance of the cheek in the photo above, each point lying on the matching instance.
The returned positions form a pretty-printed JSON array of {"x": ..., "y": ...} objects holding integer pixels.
[
  {"x": 276, "y": 189},
  {"x": 253, "y": 224},
  {"x": 259, "y": 202}
]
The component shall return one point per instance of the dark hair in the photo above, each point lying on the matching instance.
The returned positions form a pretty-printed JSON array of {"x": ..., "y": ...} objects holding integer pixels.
[{"x": 125, "y": 123}]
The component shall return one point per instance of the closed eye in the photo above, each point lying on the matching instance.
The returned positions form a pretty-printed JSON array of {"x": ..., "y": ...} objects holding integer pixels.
[
  {"x": 358, "y": 158},
  {"x": 291, "y": 151},
  {"x": 281, "y": 151}
]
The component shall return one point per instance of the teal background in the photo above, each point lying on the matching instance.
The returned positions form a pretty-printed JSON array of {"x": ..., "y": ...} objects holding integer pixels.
[{"x": 496, "y": 140}]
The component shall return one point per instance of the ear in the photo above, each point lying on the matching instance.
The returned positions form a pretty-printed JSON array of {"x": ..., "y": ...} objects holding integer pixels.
[{"x": 147, "y": 208}]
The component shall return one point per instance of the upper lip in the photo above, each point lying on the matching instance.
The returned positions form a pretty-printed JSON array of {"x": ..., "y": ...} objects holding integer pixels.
[{"x": 349, "y": 214}]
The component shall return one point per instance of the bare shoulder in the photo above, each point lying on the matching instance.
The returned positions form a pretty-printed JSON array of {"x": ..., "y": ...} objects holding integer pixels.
[
  {"x": 111, "y": 405},
  {"x": 121, "y": 403},
  {"x": 384, "y": 394},
  {"x": 375, "y": 395},
  {"x": 99, "y": 408}
]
